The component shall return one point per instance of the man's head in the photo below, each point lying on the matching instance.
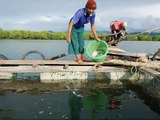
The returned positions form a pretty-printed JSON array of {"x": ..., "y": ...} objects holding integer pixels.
[
  {"x": 91, "y": 6},
  {"x": 124, "y": 25}
]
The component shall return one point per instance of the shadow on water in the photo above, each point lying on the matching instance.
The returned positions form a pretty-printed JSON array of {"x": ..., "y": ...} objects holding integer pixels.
[{"x": 149, "y": 100}]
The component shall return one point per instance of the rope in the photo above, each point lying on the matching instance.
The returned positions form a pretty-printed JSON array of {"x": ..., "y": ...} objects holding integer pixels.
[
  {"x": 134, "y": 66},
  {"x": 148, "y": 31}
]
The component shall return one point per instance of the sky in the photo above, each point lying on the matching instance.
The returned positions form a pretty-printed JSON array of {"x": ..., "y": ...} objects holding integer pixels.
[{"x": 54, "y": 15}]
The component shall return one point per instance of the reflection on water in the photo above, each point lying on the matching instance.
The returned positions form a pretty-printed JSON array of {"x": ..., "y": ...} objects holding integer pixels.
[{"x": 105, "y": 104}]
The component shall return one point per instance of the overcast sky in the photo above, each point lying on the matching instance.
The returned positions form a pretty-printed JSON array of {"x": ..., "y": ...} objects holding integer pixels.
[{"x": 54, "y": 15}]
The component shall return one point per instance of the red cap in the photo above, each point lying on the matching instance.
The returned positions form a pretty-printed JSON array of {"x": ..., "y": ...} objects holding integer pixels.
[{"x": 91, "y": 4}]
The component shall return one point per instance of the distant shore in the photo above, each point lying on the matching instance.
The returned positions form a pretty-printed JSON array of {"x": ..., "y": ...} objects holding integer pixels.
[{"x": 47, "y": 35}]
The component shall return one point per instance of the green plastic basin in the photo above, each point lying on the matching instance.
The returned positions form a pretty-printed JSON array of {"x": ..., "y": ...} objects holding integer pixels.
[{"x": 97, "y": 50}]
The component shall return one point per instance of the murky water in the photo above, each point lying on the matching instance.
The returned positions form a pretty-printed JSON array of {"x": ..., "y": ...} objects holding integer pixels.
[{"x": 107, "y": 104}]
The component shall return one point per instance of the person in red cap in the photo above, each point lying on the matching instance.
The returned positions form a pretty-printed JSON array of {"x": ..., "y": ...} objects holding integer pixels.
[
  {"x": 75, "y": 32},
  {"x": 118, "y": 29}
]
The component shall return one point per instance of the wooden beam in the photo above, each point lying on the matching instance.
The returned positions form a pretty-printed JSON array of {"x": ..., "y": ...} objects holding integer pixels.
[
  {"x": 50, "y": 69},
  {"x": 152, "y": 72},
  {"x": 34, "y": 63},
  {"x": 45, "y": 62}
]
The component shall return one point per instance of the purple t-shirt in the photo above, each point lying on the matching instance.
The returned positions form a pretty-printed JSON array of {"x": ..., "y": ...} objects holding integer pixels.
[{"x": 80, "y": 18}]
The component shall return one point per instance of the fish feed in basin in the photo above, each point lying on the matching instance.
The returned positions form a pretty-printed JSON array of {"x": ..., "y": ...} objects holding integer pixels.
[{"x": 97, "y": 50}]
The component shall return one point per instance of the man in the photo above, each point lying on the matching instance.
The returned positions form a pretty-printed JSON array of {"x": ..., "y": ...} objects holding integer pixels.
[
  {"x": 118, "y": 29},
  {"x": 75, "y": 38}
]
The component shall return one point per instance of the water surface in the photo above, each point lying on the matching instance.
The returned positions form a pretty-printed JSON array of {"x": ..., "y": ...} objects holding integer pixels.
[
  {"x": 105, "y": 105},
  {"x": 15, "y": 49}
]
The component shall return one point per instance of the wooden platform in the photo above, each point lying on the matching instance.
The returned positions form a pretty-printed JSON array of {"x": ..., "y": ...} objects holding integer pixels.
[
  {"x": 114, "y": 62},
  {"x": 45, "y": 62},
  {"x": 55, "y": 70}
]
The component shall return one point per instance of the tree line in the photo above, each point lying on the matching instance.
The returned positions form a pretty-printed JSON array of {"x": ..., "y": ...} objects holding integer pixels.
[{"x": 46, "y": 35}]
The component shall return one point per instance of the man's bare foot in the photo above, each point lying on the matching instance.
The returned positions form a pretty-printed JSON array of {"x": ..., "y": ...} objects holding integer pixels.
[
  {"x": 79, "y": 61},
  {"x": 85, "y": 60}
]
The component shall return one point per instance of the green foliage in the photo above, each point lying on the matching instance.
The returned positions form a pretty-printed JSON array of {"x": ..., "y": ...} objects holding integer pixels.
[
  {"x": 3, "y": 34},
  {"x": 87, "y": 35},
  {"x": 144, "y": 37},
  {"x": 132, "y": 37},
  {"x": 46, "y": 35},
  {"x": 59, "y": 35},
  {"x": 156, "y": 38}
]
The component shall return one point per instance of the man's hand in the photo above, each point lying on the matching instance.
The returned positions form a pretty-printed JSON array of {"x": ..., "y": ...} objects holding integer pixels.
[
  {"x": 68, "y": 39},
  {"x": 98, "y": 39}
]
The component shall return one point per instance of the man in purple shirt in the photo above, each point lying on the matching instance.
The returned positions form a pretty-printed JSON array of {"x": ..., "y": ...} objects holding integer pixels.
[{"x": 75, "y": 38}]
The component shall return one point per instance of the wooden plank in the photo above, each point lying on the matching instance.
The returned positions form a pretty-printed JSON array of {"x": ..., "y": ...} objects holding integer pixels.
[
  {"x": 135, "y": 55},
  {"x": 50, "y": 69},
  {"x": 34, "y": 63},
  {"x": 44, "y": 62},
  {"x": 116, "y": 50},
  {"x": 132, "y": 55},
  {"x": 150, "y": 71}
]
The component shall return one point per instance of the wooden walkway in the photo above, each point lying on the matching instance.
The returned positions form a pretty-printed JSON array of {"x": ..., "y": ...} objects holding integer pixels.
[
  {"x": 49, "y": 70},
  {"x": 46, "y": 62},
  {"x": 114, "y": 62},
  {"x": 69, "y": 69}
]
